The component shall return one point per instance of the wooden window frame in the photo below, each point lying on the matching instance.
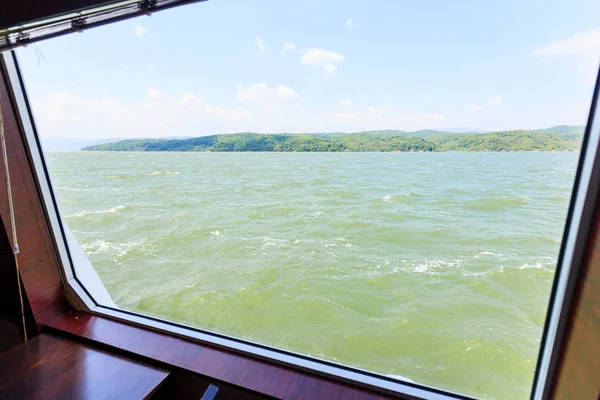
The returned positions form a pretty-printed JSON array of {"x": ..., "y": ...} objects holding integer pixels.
[{"x": 60, "y": 302}]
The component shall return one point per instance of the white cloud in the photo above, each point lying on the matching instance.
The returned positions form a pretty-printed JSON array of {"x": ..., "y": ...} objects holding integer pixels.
[
  {"x": 321, "y": 57},
  {"x": 474, "y": 107},
  {"x": 495, "y": 100},
  {"x": 155, "y": 114},
  {"x": 345, "y": 102},
  {"x": 330, "y": 68},
  {"x": 582, "y": 47},
  {"x": 350, "y": 23},
  {"x": 262, "y": 93},
  {"x": 289, "y": 46},
  {"x": 140, "y": 31},
  {"x": 585, "y": 44},
  {"x": 349, "y": 117},
  {"x": 259, "y": 43},
  {"x": 188, "y": 97},
  {"x": 152, "y": 93}
]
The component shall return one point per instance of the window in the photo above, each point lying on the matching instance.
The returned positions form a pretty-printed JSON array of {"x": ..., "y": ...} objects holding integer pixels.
[{"x": 358, "y": 232}]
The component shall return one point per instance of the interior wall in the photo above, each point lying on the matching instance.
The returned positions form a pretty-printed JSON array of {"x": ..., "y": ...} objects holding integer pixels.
[
  {"x": 40, "y": 272},
  {"x": 579, "y": 369}
]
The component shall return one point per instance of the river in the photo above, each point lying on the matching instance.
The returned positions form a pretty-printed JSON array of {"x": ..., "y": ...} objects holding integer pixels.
[{"x": 432, "y": 266}]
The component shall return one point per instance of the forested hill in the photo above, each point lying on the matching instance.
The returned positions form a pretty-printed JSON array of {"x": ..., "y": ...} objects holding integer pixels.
[{"x": 386, "y": 141}]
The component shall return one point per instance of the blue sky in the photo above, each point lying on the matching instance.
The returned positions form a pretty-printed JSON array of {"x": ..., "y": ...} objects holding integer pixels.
[{"x": 320, "y": 66}]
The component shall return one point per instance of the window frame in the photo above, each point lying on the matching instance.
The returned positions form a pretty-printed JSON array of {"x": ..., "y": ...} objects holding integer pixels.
[{"x": 578, "y": 224}]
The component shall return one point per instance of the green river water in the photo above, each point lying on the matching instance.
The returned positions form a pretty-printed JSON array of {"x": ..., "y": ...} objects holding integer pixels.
[{"x": 432, "y": 266}]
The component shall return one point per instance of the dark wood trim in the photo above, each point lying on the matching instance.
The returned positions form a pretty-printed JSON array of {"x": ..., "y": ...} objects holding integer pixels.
[
  {"x": 40, "y": 271},
  {"x": 578, "y": 375},
  {"x": 251, "y": 374},
  {"x": 51, "y": 367}
]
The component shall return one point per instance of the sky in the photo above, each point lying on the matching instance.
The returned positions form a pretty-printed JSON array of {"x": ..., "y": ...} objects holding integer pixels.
[{"x": 226, "y": 66}]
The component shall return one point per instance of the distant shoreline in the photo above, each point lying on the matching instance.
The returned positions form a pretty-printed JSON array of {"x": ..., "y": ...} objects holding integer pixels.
[{"x": 369, "y": 142}]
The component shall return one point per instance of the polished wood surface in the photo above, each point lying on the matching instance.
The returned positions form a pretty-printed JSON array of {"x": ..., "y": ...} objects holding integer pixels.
[
  {"x": 252, "y": 374},
  {"x": 183, "y": 385},
  {"x": 49, "y": 367}
]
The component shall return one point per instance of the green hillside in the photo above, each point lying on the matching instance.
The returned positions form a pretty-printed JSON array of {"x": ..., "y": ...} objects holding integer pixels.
[{"x": 560, "y": 139}]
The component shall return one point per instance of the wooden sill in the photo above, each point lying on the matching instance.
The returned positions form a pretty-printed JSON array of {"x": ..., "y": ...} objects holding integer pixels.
[{"x": 258, "y": 376}]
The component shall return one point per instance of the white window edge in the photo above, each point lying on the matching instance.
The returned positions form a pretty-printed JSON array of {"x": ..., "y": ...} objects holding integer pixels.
[
  {"x": 355, "y": 375},
  {"x": 568, "y": 267}
]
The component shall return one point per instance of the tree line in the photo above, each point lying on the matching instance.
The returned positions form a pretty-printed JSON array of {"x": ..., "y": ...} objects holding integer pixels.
[{"x": 356, "y": 142}]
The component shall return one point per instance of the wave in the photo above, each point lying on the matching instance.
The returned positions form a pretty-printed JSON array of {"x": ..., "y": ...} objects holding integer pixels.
[
  {"x": 107, "y": 211},
  {"x": 487, "y": 253},
  {"x": 388, "y": 197},
  {"x": 114, "y": 249},
  {"x": 165, "y": 173},
  {"x": 536, "y": 265}
]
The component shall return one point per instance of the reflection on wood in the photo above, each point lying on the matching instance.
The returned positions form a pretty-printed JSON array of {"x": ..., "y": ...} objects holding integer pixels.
[
  {"x": 255, "y": 375},
  {"x": 48, "y": 367}
]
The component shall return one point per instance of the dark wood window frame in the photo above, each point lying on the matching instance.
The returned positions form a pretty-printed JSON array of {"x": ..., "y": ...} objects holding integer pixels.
[{"x": 570, "y": 362}]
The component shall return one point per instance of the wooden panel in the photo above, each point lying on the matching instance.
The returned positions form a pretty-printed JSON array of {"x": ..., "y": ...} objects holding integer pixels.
[
  {"x": 10, "y": 335},
  {"x": 40, "y": 272},
  {"x": 49, "y": 367},
  {"x": 255, "y": 375},
  {"x": 579, "y": 373},
  {"x": 10, "y": 305}
]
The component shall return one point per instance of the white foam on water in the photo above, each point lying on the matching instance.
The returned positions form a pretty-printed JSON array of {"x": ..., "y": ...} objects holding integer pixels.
[
  {"x": 165, "y": 173},
  {"x": 487, "y": 253},
  {"x": 114, "y": 249},
  {"x": 191, "y": 285},
  {"x": 216, "y": 233},
  {"x": 536, "y": 265},
  {"x": 107, "y": 211},
  {"x": 387, "y": 198}
]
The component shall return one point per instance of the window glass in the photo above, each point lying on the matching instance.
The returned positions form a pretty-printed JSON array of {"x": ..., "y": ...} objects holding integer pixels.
[{"x": 398, "y": 206}]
